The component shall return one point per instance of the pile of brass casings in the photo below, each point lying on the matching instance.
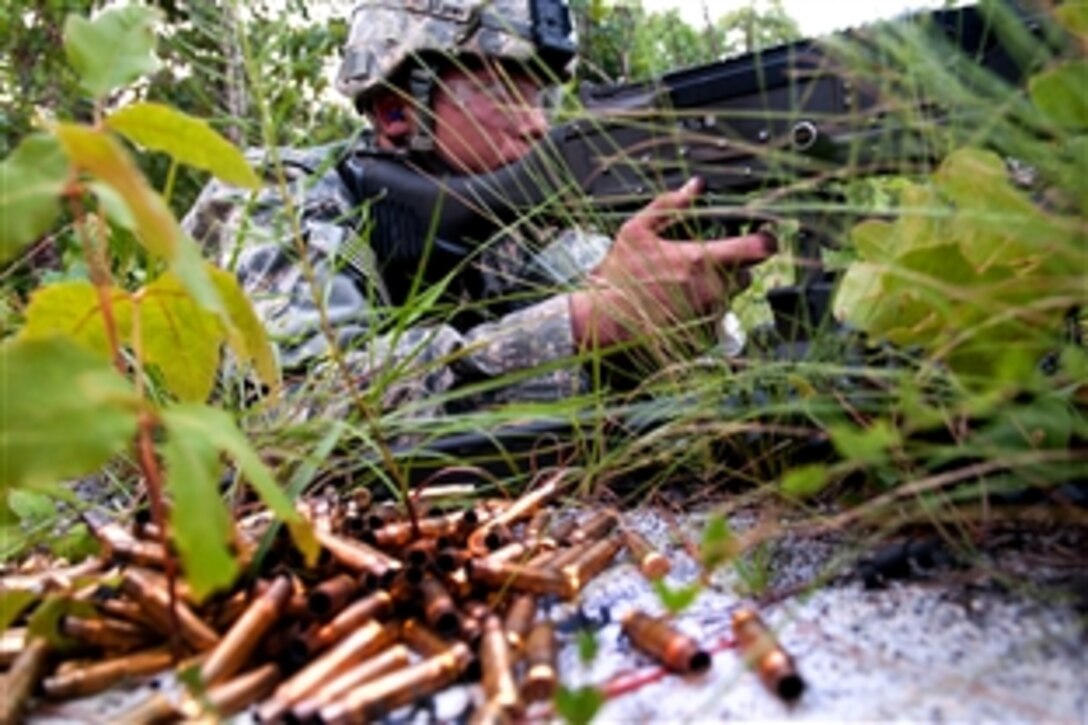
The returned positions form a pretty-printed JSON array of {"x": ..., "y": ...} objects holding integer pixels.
[{"x": 396, "y": 609}]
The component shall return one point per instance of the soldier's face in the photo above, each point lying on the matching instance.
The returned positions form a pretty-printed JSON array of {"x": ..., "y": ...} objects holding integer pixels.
[{"x": 487, "y": 117}]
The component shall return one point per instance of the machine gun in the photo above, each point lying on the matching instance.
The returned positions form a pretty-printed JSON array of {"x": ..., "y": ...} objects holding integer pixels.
[{"x": 773, "y": 121}]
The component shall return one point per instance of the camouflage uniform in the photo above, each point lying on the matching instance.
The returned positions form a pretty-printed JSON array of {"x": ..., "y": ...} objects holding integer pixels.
[{"x": 530, "y": 340}]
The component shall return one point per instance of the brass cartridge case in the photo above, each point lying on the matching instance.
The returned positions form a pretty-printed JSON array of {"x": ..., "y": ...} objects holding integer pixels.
[
  {"x": 491, "y": 712},
  {"x": 595, "y": 560},
  {"x": 450, "y": 559},
  {"x": 113, "y": 634},
  {"x": 382, "y": 514},
  {"x": 421, "y": 553},
  {"x": 519, "y": 578},
  {"x": 766, "y": 656},
  {"x": 399, "y": 534},
  {"x": 458, "y": 583},
  {"x": 155, "y": 601},
  {"x": 438, "y": 607},
  {"x": 126, "y": 609},
  {"x": 235, "y": 695},
  {"x": 672, "y": 648},
  {"x": 522, "y": 508},
  {"x": 497, "y": 666},
  {"x": 519, "y": 620},
  {"x": 360, "y": 557},
  {"x": 356, "y": 647},
  {"x": 387, "y": 693},
  {"x": 445, "y": 491},
  {"x": 230, "y": 655},
  {"x": 516, "y": 551},
  {"x": 104, "y": 675},
  {"x": 598, "y": 524},
  {"x": 538, "y": 524},
  {"x": 471, "y": 627},
  {"x": 19, "y": 682},
  {"x": 561, "y": 530},
  {"x": 361, "y": 498},
  {"x": 374, "y": 606},
  {"x": 564, "y": 557},
  {"x": 423, "y": 639},
  {"x": 541, "y": 677},
  {"x": 395, "y": 658},
  {"x": 117, "y": 542},
  {"x": 12, "y": 643},
  {"x": 331, "y": 595},
  {"x": 652, "y": 563},
  {"x": 543, "y": 558},
  {"x": 155, "y": 708}
]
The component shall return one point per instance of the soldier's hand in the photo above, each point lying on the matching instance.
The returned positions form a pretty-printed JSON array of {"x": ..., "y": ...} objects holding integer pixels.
[{"x": 647, "y": 284}]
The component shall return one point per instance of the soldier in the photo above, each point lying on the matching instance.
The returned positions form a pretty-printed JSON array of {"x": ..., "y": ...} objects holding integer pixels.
[{"x": 456, "y": 86}]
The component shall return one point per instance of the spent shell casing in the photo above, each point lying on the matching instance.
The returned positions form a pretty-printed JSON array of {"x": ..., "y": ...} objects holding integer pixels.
[
  {"x": 104, "y": 675},
  {"x": 12, "y": 643},
  {"x": 567, "y": 556},
  {"x": 562, "y": 529},
  {"x": 438, "y": 607},
  {"x": 490, "y": 712},
  {"x": 463, "y": 491},
  {"x": 521, "y": 508},
  {"x": 652, "y": 563},
  {"x": 766, "y": 656},
  {"x": 518, "y": 577},
  {"x": 111, "y": 634},
  {"x": 396, "y": 689},
  {"x": 118, "y": 543},
  {"x": 421, "y": 554},
  {"x": 19, "y": 682},
  {"x": 520, "y": 616},
  {"x": 450, "y": 559},
  {"x": 395, "y": 658},
  {"x": 382, "y": 514},
  {"x": 126, "y": 609},
  {"x": 541, "y": 677},
  {"x": 598, "y": 524},
  {"x": 543, "y": 558},
  {"x": 458, "y": 583},
  {"x": 235, "y": 695},
  {"x": 356, "y": 647},
  {"x": 155, "y": 600},
  {"x": 517, "y": 551},
  {"x": 422, "y": 639},
  {"x": 155, "y": 708},
  {"x": 595, "y": 560},
  {"x": 374, "y": 606},
  {"x": 660, "y": 640},
  {"x": 498, "y": 666},
  {"x": 331, "y": 595},
  {"x": 360, "y": 557},
  {"x": 538, "y": 524},
  {"x": 230, "y": 655}
]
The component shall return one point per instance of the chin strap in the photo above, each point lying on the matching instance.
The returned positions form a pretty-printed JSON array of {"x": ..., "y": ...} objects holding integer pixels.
[{"x": 421, "y": 87}]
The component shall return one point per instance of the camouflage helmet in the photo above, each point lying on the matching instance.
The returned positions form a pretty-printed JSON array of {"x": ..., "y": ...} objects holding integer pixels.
[{"x": 387, "y": 37}]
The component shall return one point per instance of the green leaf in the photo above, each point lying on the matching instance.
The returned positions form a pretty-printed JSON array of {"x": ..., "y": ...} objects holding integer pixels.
[
  {"x": 187, "y": 139},
  {"x": 201, "y": 525},
  {"x": 100, "y": 155},
  {"x": 1060, "y": 94},
  {"x": 75, "y": 544},
  {"x": 31, "y": 507},
  {"x": 180, "y": 338},
  {"x": 220, "y": 427},
  {"x": 1073, "y": 14},
  {"x": 32, "y": 179},
  {"x": 588, "y": 648},
  {"x": 72, "y": 309},
  {"x": 867, "y": 445},
  {"x": 805, "y": 481},
  {"x": 676, "y": 601},
  {"x": 858, "y": 293},
  {"x": 578, "y": 706},
  {"x": 113, "y": 205},
  {"x": 13, "y": 602},
  {"x": 874, "y": 240},
  {"x": 113, "y": 49},
  {"x": 246, "y": 334},
  {"x": 718, "y": 545},
  {"x": 66, "y": 412},
  {"x": 1044, "y": 424}
]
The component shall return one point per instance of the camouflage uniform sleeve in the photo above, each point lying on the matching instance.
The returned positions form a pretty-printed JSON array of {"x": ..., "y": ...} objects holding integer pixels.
[{"x": 252, "y": 234}]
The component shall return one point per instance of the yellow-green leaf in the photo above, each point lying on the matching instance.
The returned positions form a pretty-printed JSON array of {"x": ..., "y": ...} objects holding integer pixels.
[
  {"x": 1073, "y": 14},
  {"x": 73, "y": 309},
  {"x": 805, "y": 481},
  {"x": 188, "y": 139},
  {"x": 180, "y": 338},
  {"x": 868, "y": 445},
  {"x": 199, "y": 520},
  {"x": 66, "y": 412},
  {"x": 235, "y": 445},
  {"x": 873, "y": 240},
  {"x": 1062, "y": 94},
  {"x": 113, "y": 49},
  {"x": 31, "y": 181},
  {"x": 98, "y": 154},
  {"x": 246, "y": 335}
]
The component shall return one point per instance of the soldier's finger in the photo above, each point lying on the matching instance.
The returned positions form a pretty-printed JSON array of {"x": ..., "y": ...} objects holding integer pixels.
[
  {"x": 736, "y": 251},
  {"x": 660, "y": 213}
]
